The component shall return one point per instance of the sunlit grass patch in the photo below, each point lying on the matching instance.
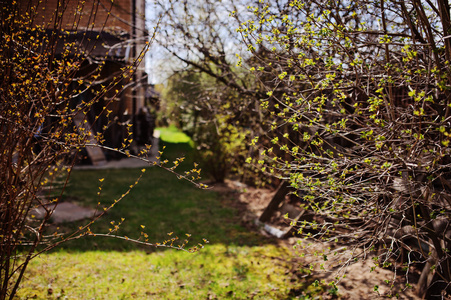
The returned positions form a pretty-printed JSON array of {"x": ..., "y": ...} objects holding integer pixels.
[
  {"x": 172, "y": 134},
  {"x": 218, "y": 271}
]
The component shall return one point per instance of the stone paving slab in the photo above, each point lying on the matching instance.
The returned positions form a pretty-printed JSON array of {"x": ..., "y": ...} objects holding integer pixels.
[
  {"x": 124, "y": 163},
  {"x": 70, "y": 212},
  {"x": 130, "y": 162},
  {"x": 65, "y": 212}
]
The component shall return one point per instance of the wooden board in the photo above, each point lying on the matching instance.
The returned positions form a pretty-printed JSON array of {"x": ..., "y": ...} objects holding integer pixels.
[
  {"x": 278, "y": 197},
  {"x": 274, "y": 206}
]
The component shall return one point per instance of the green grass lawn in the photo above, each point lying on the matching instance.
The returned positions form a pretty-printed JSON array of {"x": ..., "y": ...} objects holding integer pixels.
[
  {"x": 173, "y": 135},
  {"x": 236, "y": 264}
]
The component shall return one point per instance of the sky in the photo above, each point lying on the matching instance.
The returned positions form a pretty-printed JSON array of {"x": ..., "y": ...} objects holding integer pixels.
[{"x": 159, "y": 64}]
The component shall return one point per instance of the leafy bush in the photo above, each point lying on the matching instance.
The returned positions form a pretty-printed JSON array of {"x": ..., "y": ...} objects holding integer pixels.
[
  {"x": 358, "y": 106},
  {"x": 202, "y": 108}
]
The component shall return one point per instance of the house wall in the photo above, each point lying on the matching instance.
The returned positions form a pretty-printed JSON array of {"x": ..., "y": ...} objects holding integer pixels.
[
  {"x": 100, "y": 15},
  {"x": 84, "y": 15},
  {"x": 116, "y": 18}
]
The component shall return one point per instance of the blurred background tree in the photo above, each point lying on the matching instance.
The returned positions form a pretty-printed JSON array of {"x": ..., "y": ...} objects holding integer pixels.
[
  {"x": 202, "y": 108},
  {"x": 208, "y": 96}
]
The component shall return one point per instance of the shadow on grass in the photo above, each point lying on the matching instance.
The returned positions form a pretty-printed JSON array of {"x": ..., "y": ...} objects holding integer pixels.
[{"x": 160, "y": 204}]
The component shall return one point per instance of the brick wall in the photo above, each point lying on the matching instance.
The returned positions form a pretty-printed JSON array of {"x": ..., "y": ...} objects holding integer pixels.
[
  {"x": 82, "y": 15},
  {"x": 111, "y": 17}
]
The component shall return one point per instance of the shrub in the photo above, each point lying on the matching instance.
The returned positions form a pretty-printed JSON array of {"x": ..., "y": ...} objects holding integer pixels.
[
  {"x": 43, "y": 111},
  {"x": 358, "y": 98}
]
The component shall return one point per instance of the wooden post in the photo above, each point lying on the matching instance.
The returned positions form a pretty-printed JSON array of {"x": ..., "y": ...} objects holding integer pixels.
[{"x": 278, "y": 197}]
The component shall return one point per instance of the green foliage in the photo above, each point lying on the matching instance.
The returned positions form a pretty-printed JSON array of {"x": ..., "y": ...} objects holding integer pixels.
[
  {"x": 357, "y": 111},
  {"x": 221, "y": 147},
  {"x": 220, "y": 139},
  {"x": 212, "y": 99}
]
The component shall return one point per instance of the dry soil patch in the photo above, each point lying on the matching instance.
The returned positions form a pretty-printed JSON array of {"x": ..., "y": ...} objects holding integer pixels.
[{"x": 359, "y": 282}]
